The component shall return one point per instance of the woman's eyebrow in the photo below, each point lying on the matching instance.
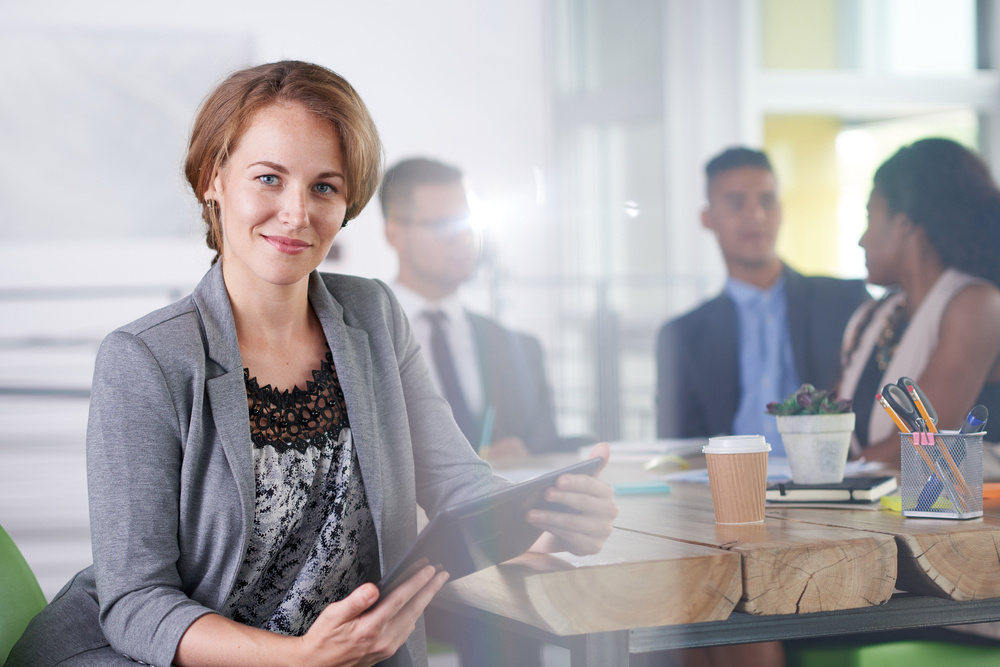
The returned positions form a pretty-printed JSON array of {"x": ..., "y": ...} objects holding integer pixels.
[
  {"x": 270, "y": 165},
  {"x": 282, "y": 170}
]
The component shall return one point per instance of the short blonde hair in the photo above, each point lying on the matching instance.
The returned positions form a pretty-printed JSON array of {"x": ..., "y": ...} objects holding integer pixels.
[{"x": 229, "y": 110}]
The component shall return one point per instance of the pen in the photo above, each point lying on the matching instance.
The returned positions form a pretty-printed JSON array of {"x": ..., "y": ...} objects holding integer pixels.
[
  {"x": 486, "y": 435},
  {"x": 635, "y": 488},
  {"x": 974, "y": 423},
  {"x": 975, "y": 420},
  {"x": 903, "y": 428}
]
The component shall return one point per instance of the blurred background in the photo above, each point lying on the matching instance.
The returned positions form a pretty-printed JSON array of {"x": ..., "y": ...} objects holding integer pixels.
[{"x": 582, "y": 127}]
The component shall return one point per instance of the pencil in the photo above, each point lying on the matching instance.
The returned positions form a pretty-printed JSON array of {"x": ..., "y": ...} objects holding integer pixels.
[
  {"x": 903, "y": 428},
  {"x": 954, "y": 468},
  {"x": 950, "y": 490},
  {"x": 915, "y": 397},
  {"x": 933, "y": 467}
]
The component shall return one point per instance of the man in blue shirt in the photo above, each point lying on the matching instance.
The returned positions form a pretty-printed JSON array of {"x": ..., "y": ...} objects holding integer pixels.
[{"x": 771, "y": 328}]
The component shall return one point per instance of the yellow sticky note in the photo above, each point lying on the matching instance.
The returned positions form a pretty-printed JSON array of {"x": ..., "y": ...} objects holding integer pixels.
[{"x": 892, "y": 503}]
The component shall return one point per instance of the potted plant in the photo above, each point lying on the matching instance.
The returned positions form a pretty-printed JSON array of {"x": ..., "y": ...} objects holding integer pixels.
[{"x": 816, "y": 429}]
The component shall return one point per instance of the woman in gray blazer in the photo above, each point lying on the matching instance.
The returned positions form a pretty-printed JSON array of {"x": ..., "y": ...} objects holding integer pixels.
[{"x": 235, "y": 521}]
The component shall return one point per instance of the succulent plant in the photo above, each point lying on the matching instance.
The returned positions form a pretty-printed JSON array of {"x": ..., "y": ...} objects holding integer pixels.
[{"x": 808, "y": 400}]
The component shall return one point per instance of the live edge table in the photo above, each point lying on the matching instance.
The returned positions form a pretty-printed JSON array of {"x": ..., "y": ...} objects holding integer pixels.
[{"x": 670, "y": 577}]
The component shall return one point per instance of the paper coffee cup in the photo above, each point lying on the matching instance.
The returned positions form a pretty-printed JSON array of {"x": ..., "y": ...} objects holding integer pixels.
[{"x": 737, "y": 474}]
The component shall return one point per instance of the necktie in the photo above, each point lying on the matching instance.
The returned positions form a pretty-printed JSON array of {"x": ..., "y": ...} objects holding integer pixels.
[{"x": 444, "y": 362}]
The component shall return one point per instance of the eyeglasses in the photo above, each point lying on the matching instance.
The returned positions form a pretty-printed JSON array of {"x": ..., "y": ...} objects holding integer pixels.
[{"x": 442, "y": 226}]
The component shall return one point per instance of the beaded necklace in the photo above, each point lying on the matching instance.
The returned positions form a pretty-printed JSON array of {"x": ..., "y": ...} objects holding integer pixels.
[{"x": 895, "y": 325}]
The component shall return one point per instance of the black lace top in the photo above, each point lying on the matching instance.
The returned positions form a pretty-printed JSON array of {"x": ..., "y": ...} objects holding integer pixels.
[{"x": 313, "y": 539}]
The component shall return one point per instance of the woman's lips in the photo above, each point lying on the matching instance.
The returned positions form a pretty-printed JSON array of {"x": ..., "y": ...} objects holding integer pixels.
[{"x": 287, "y": 245}]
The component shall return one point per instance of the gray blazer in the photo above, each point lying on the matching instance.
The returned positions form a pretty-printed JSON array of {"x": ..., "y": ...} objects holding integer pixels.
[{"x": 170, "y": 468}]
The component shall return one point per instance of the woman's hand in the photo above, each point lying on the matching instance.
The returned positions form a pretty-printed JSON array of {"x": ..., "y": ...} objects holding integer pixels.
[
  {"x": 354, "y": 632},
  {"x": 579, "y": 533}
]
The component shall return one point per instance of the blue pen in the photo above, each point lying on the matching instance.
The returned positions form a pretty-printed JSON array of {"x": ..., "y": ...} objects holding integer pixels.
[
  {"x": 486, "y": 435},
  {"x": 974, "y": 422},
  {"x": 635, "y": 488}
]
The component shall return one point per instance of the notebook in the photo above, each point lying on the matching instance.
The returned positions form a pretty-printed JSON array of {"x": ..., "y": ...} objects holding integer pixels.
[{"x": 851, "y": 490}]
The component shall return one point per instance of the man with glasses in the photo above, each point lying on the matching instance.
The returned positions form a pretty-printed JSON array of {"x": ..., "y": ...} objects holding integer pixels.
[{"x": 493, "y": 377}]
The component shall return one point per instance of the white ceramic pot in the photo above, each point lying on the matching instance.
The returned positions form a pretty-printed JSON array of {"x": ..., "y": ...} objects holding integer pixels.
[{"x": 817, "y": 446}]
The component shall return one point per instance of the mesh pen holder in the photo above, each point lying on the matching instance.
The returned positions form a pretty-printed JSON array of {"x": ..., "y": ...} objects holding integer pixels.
[{"x": 941, "y": 475}]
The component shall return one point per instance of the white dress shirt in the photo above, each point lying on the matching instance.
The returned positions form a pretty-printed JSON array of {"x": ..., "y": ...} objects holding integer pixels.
[{"x": 460, "y": 340}]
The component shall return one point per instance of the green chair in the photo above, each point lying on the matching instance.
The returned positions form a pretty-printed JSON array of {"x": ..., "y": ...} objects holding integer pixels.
[
  {"x": 914, "y": 653},
  {"x": 20, "y": 595}
]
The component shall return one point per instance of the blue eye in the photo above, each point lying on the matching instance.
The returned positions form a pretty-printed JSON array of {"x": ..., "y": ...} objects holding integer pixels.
[
  {"x": 268, "y": 179},
  {"x": 325, "y": 188}
]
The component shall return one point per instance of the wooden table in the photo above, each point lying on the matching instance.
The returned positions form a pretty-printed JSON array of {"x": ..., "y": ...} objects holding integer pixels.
[{"x": 670, "y": 577}]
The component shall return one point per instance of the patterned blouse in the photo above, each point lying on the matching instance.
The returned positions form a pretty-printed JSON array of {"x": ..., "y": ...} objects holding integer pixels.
[{"x": 313, "y": 539}]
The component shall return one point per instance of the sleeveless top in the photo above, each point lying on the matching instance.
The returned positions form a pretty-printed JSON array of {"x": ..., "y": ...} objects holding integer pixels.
[
  {"x": 911, "y": 355},
  {"x": 313, "y": 538}
]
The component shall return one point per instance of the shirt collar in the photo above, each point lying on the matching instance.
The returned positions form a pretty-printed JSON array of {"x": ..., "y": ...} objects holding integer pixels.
[
  {"x": 414, "y": 304},
  {"x": 743, "y": 292}
]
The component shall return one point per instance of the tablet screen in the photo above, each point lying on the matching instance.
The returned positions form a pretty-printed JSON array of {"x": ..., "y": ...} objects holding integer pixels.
[{"x": 485, "y": 531}]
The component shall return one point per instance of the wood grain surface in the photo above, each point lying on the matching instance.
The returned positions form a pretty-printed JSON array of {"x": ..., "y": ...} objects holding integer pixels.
[
  {"x": 789, "y": 567},
  {"x": 959, "y": 560},
  {"x": 636, "y": 581}
]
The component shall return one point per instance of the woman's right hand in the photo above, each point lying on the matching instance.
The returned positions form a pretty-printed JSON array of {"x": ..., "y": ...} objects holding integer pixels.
[
  {"x": 354, "y": 632},
  {"x": 357, "y": 631}
]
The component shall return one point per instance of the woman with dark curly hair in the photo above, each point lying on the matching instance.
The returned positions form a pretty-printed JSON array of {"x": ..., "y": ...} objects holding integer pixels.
[{"x": 933, "y": 239}]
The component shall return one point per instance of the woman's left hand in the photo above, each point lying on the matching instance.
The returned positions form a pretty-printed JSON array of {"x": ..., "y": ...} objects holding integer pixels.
[{"x": 584, "y": 531}]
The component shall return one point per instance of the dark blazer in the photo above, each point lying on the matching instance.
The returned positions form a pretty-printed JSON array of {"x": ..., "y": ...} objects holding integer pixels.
[
  {"x": 512, "y": 367},
  {"x": 170, "y": 467},
  {"x": 697, "y": 354}
]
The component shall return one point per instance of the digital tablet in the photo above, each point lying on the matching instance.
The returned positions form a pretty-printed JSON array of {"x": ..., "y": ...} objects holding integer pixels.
[{"x": 485, "y": 531}]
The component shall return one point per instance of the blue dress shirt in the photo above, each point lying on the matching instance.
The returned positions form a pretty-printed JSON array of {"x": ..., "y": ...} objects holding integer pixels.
[{"x": 767, "y": 364}]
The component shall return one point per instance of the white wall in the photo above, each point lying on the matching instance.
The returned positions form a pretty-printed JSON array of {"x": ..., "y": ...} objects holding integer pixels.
[
  {"x": 81, "y": 206},
  {"x": 461, "y": 80}
]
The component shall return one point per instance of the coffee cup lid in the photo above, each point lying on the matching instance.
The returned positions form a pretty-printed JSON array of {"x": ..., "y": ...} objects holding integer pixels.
[{"x": 736, "y": 444}]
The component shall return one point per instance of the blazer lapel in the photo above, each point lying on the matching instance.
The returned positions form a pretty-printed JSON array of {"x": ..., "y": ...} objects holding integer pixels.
[
  {"x": 352, "y": 360},
  {"x": 224, "y": 383},
  {"x": 797, "y": 302},
  {"x": 720, "y": 354},
  {"x": 227, "y": 396}
]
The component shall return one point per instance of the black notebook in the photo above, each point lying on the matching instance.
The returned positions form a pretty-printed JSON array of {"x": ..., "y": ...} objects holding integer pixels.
[{"x": 851, "y": 490}]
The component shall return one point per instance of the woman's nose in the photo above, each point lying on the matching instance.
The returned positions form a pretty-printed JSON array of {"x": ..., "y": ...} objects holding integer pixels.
[{"x": 294, "y": 211}]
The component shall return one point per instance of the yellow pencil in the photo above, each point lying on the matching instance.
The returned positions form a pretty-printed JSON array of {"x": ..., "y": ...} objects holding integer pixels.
[
  {"x": 903, "y": 428},
  {"x": 915, "y": 397},
  {"x": 917, "y": 440}
]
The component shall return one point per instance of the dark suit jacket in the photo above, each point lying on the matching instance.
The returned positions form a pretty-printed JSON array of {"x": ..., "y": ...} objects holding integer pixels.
[
  {"x": 514, "y": 383},
  {"x": 697, "y": 354}
]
